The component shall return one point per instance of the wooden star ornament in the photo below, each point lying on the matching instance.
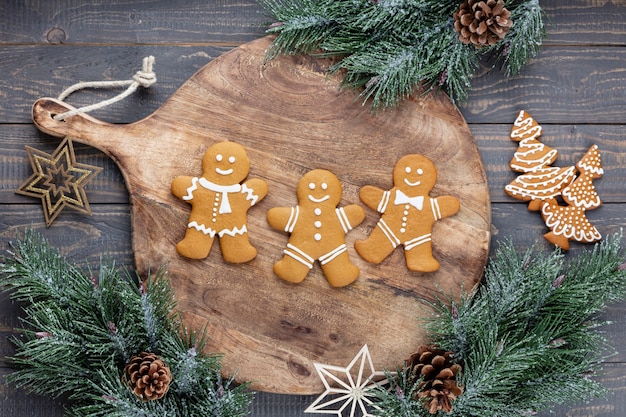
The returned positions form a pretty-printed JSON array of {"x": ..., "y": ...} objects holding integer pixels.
[
  {"x": 348, "y": 389},
  {"x": 58, "y": 180}
]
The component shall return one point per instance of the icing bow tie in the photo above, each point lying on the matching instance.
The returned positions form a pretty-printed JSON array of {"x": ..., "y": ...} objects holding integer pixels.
[{"x": 401, "y": 198}]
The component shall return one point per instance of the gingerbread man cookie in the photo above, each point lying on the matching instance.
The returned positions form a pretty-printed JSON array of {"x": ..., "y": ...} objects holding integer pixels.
[
  {"x": 318, "y": 228},
  {"x": 408, "y": 215},
  {"x": 219, "y": 204}
]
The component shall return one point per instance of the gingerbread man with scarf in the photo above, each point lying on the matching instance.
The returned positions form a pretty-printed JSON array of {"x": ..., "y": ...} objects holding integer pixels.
[
  {"x": 219, "y": 204},
  {"x": 408, "y": 215}
]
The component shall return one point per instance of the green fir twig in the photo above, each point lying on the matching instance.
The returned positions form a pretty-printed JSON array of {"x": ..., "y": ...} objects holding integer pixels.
[
  {"x": 528, "y": 338},
  {"x": 82, "y": 328},
  {"x": 389, "y": 48}
]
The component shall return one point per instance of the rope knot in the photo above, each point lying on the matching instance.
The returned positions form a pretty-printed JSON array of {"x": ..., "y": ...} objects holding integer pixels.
[{"x": 146, "y": 77}]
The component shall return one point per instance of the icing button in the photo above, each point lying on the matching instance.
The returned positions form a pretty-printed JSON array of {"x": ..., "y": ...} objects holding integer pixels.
[
  {"x": 317, "y": 237},
  {"x": 317, "y": 211},
  {"x": 318, "y": 224},
  {"x": 402, "y": 230}
]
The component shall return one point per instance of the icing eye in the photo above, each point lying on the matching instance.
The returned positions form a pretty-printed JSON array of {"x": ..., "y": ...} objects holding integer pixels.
[
  {"x": 231, "y": 159},
  {"x": 324, "y": 186},
  {"x": 420, "y": 171},
  {"x": 312, "y": 186},
  {"x": 407, "y": 170},
  {"x": 219, "y": 157}
]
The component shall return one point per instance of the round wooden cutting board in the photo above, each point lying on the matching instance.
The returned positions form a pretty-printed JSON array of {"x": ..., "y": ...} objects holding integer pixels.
[{"x": 292, "y": 117}]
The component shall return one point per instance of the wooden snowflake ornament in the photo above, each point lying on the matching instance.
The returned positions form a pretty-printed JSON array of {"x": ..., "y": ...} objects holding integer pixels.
[{"x": 348, "y": 388}]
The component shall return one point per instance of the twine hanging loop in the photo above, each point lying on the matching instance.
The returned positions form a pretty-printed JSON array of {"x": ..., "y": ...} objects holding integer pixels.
[{"x": 144, "y": 78}]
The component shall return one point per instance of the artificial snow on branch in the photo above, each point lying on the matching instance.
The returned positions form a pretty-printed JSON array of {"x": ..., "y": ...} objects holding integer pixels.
[
  {"x": 111, "y": 343},
  {"x": 389, "y": 48},
  {"x": 529, "y": 337}
]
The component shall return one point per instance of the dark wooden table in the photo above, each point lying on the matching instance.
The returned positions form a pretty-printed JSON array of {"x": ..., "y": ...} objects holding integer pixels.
[{"x": 575, "y": 88}]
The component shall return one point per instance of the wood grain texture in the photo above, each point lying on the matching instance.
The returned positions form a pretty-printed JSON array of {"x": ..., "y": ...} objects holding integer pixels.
[
  {"x": 561, "y": 85},
  {"x": 573, "y": 22},
  {"x": 292, "y": 118},
  {"x": 131, "y": 22}
]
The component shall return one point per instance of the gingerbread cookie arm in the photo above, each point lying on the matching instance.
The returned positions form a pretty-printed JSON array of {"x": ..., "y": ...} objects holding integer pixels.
[
  {"x": 180, "y": 185},
  {"x": 283, "y": 218},
  {"x": 445, "y": 206},
  {"x": 351, "y": 216},
  {"x": 374, "y": 197},
  {"x": 256, "y": 190}
]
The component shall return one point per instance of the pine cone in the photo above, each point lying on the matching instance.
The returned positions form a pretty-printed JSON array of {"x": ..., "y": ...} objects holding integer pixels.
[
  {"x": 482, "y": 22},
  {"x": 148, "y": 376},
  {"x": 438, "y": 386}
]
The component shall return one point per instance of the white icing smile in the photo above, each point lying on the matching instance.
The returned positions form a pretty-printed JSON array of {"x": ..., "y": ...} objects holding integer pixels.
[
  {"x": 411, "y": 184},
  {"x": 319, "y": 200},
  {"x": 224, "y": 171}
]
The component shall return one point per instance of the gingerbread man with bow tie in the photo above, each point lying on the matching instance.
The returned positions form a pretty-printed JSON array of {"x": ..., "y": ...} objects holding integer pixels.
[{"x": 408, "y": 215}]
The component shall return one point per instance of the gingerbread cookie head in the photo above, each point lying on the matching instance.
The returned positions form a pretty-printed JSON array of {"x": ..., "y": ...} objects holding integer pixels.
[
  {"x": 319, "y": 187},
  {"x": 414, "y": 175},
  {"x": 225, "y": 163}
]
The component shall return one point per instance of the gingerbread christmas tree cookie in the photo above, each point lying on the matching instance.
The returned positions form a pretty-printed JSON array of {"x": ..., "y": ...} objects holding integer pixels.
[
  {"x": 570, "y": 222},
  {"x": 544, "y": 186},
  {"x": 540, "y": 181},
  {"x": 408, "y": 215},
  {"x": 318, "y": 228},
  {"x": 219, "y": 204}
]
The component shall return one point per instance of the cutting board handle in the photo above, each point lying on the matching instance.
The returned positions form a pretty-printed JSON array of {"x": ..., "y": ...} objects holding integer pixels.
[{"x": 82, "y": 127}]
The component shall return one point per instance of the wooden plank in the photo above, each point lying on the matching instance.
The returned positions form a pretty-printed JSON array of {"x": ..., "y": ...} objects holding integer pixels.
[
  {"x": 17, "y": 402},
  {"x": 564, "y": 94},
  {"x": 526, "y": 227},
  {"x": 584, "y": 22},
  {"x": 569, "y": 84},
  {"x": 78, "y": 236},
  {"x": 569, "y": 22},
  {"x": 562, "y": 85},
  {"x": 124, "y": 22},
  {"x": 30, "y": 73},
  {"x": 15, "y": 168}
]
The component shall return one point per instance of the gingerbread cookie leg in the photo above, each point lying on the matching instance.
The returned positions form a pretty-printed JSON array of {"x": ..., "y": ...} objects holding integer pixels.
[
  {"x": 338, "y": 269},
  {"x": 196, "y": 244},
  {"x": 237, "y": 249},
  {"x": 419, "y": 254},
  {"x": 294, "y": 266},
  {"x": 380, "y": 243}
]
